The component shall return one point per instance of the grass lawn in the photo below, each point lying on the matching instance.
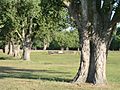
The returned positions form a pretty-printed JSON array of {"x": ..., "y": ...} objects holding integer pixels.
[{"x": 52, "y": 72}]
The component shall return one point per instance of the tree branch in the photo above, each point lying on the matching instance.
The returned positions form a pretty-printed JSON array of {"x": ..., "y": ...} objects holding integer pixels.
[
  {"x": 67, "y": 3},
  {"x": 20, "y": 36}
]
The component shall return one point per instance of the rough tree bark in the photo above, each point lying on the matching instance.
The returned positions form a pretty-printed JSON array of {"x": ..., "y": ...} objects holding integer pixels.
[
  {"x": 95, "y": 35},
  {"x": 82, "y": 73}
]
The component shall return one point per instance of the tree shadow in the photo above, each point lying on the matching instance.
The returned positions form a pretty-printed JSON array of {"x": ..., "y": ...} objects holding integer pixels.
[
  {"x": 12, "y": 72},
  {"x": 4, "y": 58},
  {"x": 8, "y": 58}
]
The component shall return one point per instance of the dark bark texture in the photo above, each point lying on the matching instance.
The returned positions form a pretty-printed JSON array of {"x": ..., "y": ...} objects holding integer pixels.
[{"x": 95, "y": 32}]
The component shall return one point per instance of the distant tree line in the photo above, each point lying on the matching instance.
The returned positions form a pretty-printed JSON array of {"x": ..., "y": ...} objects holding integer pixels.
[{"x": 24, "y": 25}]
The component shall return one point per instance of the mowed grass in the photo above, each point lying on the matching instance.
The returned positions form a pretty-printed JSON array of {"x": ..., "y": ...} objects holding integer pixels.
[{"x": 52, "y": 72}]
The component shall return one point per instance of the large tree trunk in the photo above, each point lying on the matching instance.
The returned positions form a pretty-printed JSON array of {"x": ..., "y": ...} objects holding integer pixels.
[
  {"x": 97, "y": 67},
  {"x": 82, "y": 73},
  {"x": 100, "y": 62},
  {"x": 93, "y": 63},
  {"x": 95, "y": 42}
]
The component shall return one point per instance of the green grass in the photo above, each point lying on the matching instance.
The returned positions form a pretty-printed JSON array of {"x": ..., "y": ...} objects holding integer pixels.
[{"x": 51, "y": 72}]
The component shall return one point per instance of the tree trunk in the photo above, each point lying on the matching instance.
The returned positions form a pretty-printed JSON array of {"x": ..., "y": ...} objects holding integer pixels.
[
  {"x": 6, "y": 48},
  {"x": 27, "y": 42},
  {"x": 62, "y": 48},
  {"x": 100, "y": 63},
  {"x": 16, "y": 51},
  {"x": 67, "y": 48},
  {"x": 45, "y": 46},
  {"x": 95, "y": 42},
  {"x": 93, "y": 63},
  {"x": 10, "y": 49},
  {"x": 26, "y": 53},
  {"x": 84, "y": 64},
  {"x": 82, "y": 73},
  {"x": 26, "y": 48},
  {"x": 97, "y": 67}
]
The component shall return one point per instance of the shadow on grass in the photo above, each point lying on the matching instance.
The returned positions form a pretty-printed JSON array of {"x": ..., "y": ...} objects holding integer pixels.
[
  {"x": 8, "y": 58},
  {"x": 49, "y": 75},
  {"x": 5, "y": 58}
]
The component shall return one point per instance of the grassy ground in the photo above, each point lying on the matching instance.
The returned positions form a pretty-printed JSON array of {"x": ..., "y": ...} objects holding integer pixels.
[{"x": 52, "y": 72}]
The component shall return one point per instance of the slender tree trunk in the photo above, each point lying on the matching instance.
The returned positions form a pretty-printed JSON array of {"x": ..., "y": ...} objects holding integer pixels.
[
  {"x": 45, "y": 46},
  {"x": 13, "y": 48},
  {"x": 67, "y": 48},
  {"x": 62, "y": 48},
  {"x": 16, "y": 51},
  {"x": 10, "y": 49},
  {"x": 26, "y": 53},
  {"x": 6, "y": 48},
  {"x": 26, "y": 48},
  {"x": 27, "y": 42}
]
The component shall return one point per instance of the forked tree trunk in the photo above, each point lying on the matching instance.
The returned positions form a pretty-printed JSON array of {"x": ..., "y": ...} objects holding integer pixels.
[
  {"x": 93, "y": 64},
  {"x": 94, "y": 46},
  {"x": 26, "y": 48},
  {"x": 27, "y": 42},
  {"x": 93, "y": 54}
]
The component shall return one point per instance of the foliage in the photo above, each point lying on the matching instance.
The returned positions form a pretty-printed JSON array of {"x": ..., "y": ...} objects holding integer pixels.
[
  {"x": 65, "y": 39},
  {"x": 115, "y": 44}
]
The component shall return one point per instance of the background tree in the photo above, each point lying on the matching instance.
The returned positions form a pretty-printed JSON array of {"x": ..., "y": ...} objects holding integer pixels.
[
  {"x": 65, "y": 40},
  {"x": 27, "y": 12},
  {"x": 115, "y": 44},
  {"x": 48, "y": 28},
  {"x": 9, "y": 24}
]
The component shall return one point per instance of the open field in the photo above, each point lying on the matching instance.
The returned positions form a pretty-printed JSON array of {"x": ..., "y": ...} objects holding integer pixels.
[{"x": 52, "y": 72}]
